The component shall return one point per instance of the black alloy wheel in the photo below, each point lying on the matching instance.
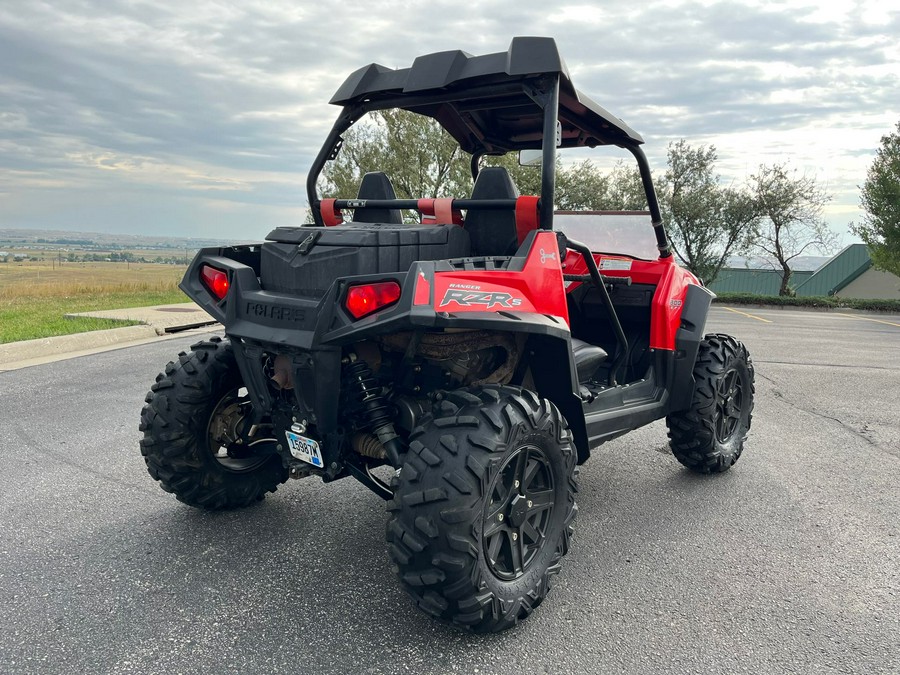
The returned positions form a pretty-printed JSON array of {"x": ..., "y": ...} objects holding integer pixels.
[
  {"x": 193, "y": 423},
  {"x": 224, "y": 434},
  {"x": 729, "y": 405},
  {"x": 708, "y": 436},
  {"x": 518, "y": 513},
  {"x": 483, "y": 507}
]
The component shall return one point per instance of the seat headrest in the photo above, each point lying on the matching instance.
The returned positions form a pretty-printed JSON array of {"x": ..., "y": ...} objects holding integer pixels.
[
  {"x": 376, "y": 185},
  {"x": 493, "y": 232},
  {"x": 494, "y": 182}
]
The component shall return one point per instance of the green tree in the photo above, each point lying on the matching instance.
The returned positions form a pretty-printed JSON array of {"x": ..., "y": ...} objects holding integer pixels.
[
  {"x": 585, "y": 187},
  {"x": 626, "y": 189},
  {"x": 705, "y": 221},
  {"x": 422, "y": 160},
  {"x": 880, "y": 199},
  {"x": 792, "y": 223}
]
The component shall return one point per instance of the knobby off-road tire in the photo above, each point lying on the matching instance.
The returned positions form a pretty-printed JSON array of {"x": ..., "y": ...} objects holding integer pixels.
[
  {"x": 192, "y": 410},
  {"x": 483, "y": 507},
  {"x": 709, "y": 436}
]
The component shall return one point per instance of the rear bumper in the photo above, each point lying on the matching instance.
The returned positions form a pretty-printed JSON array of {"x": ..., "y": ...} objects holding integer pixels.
[{"x": 312, "y": 332}]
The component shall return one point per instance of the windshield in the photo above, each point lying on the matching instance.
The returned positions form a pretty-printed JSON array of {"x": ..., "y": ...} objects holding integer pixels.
[{"x": 627, "y": 233}]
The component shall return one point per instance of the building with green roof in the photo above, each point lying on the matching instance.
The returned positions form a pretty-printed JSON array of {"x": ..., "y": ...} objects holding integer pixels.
[
  {"x": 849, "y": 274},
  {"x": 756, "y": 281}
]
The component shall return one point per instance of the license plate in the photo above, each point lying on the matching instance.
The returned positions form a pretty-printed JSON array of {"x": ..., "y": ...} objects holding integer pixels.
[{"x": 304, "y": 448}]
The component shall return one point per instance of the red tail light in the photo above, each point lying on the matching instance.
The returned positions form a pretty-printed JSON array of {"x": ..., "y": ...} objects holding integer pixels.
[
  {"x": 367, "y": 298},
  {"x": 215, "y": 280}
]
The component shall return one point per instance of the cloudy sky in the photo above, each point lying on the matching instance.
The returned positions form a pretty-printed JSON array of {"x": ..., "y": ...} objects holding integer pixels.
[{"x": 200, "y": 118}]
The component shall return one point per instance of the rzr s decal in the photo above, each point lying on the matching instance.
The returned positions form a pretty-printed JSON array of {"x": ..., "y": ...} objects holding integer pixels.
[{"x": 469, "y": 298}]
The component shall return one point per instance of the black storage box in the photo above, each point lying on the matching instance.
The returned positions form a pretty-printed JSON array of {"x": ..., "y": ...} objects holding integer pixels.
[{"x": 306, "y": 260}]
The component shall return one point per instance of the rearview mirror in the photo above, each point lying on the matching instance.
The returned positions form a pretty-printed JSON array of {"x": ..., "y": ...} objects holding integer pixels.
[{"x": 530, "y": 157}]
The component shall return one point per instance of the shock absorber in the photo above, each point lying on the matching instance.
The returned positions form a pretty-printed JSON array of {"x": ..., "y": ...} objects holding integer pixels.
[
  {"x": 372, "y": 403},
  {"x": 374, "y": 409}
]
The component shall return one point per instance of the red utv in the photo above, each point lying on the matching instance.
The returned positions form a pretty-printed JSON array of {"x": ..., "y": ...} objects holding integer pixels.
[{"x": 460, "y": 366}]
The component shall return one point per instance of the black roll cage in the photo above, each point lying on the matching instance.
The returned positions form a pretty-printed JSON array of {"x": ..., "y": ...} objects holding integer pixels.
[{"x": 491, "y": 104}]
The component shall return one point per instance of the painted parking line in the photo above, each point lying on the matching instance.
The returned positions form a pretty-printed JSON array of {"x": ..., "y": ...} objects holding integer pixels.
[
  {"x": 864, "y": 318},
  {"x": 751, "y": 316}
]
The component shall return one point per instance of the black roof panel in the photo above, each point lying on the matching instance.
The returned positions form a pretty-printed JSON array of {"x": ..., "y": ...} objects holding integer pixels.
[{"x": 485, "y": 102}]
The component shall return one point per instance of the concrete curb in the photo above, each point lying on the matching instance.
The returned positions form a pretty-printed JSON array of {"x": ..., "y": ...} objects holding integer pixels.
[
  {"x": 64, "y": 344},
  {"x": 157, "y": 323},
  {"x": 164, "y": 318},
  {"x": 16, "y": 355}
]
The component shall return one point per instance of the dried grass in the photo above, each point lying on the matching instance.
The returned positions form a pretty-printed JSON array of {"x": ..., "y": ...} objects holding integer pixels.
[{"x": 35, "y": 297}]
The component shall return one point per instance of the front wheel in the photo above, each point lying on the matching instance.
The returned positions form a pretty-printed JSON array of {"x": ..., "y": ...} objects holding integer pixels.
[
  {"x": 483, "y": 507},
  {"x": 193, "y": 423},
  {"x": 709, "y": 436}
]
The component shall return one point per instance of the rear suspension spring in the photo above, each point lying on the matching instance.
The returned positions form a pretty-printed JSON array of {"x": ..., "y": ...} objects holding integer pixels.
[
  {"x": 368, "y": 394},
  {"x": 374, "y": 409}
]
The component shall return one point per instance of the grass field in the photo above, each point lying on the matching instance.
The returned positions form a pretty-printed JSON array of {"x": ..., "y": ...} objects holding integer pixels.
[{"x": 34, "y": 296}]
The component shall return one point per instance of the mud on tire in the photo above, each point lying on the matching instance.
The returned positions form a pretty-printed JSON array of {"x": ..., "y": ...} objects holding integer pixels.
[
  {"x": 709, "y": 436},
  {"x": 483, "y": 507},
  {"x": 188, "y": 409}
]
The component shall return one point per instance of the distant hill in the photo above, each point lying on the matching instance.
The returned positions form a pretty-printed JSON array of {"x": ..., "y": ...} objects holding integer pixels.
[
  {"x": 23, "y": 237},
  {"x": 68, "y": 238}
]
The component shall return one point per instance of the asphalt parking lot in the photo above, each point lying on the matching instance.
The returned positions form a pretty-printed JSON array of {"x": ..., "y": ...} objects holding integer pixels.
[{"x": 788, "y": 563}]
